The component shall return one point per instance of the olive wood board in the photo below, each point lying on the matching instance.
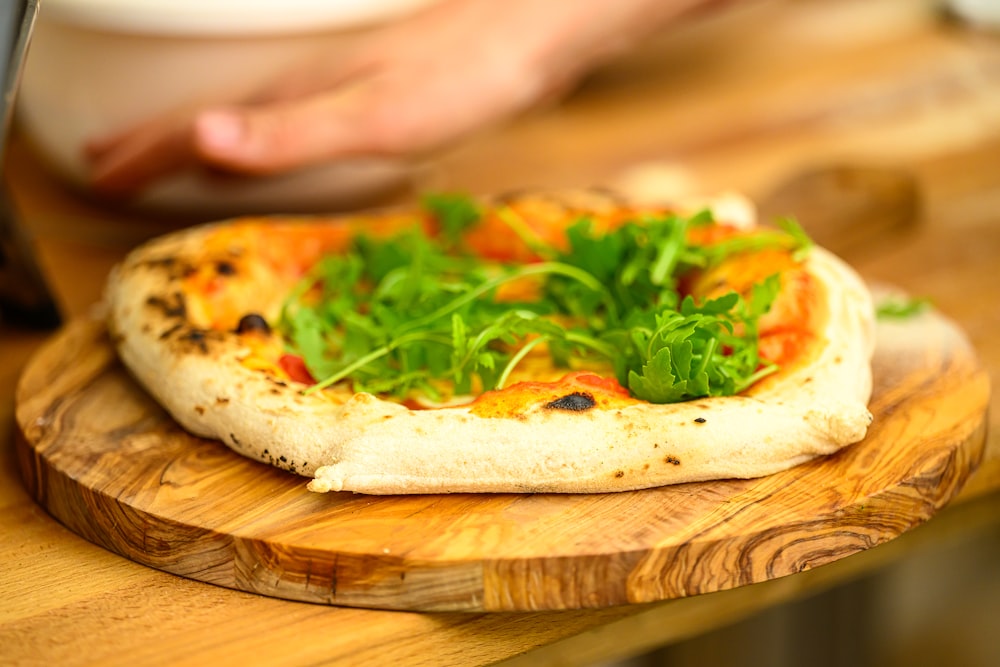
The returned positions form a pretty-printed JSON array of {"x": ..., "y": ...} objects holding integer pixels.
[{"x": 105, "y": 460}]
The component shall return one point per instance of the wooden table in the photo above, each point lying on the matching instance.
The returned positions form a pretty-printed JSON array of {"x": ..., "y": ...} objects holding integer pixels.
[{"x": 742, "y": 101}]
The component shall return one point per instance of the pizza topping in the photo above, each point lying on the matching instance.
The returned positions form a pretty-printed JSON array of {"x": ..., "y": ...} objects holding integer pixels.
[
  {"x": 253, "y": 322},
  {"x": 897, "y": 307},
  {"x": 573, "y": 389},
  {"x": 225, "y": 268},
  {"x": 415, "y": 313},
  {"x": 578, "y": 401},
  {"x": 454, "y": 215},
  {"x": 295, "y": 368}
]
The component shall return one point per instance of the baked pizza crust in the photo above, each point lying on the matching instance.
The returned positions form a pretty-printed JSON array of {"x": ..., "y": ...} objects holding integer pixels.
[{"x": 368, "y": 445}]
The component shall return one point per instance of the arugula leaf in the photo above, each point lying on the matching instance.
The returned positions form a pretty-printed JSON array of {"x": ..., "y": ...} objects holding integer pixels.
[
  {"x": 802, "y": 242},
  {"x": 621, "y": 260},
  {"x": 523, "y": 231},
  {"x": 657, "y": 380},
  {"x": 901, "y": 307},
  {"x": 455, "y": 213},
  {"x": 677, "y": 358}
]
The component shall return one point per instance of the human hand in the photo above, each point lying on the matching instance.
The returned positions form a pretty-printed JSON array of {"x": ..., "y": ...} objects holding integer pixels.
[{"x": 406, "y": 89}]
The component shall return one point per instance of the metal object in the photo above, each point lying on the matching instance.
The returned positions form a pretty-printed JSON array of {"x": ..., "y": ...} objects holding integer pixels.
[{"x": 25, "y": 299}]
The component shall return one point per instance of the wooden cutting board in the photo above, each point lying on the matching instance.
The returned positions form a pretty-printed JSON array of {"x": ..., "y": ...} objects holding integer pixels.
[{"x": 108, "y": 463}]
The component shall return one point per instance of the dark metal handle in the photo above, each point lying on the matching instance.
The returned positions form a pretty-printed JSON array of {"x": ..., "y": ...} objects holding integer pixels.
[{"x": 25, "y": 299}]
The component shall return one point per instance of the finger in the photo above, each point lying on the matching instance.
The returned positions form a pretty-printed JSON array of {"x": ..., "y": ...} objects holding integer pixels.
[
  {"x": 285, "y": 136},
  {"x": 125, "y": 164}
]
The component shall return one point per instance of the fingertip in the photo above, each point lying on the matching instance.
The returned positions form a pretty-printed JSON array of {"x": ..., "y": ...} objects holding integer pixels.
[
  {"x": 220, "y": 132},
  {"x": 235, "y": 140}
]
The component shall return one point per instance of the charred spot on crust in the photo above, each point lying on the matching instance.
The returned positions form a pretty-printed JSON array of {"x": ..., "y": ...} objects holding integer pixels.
[
  {"x": 190, "y": 337},
  {"x": 700, "y": 420},
  {"x": 165, "y": 262},
  {"x": 672, "y": 459},
  {"x": 282, "y": 462},
  {"x": 171, "y": 331},
  {"x": 168, "y": 263},
  {"x": 172, "y": 305},
  {"x": 225, "y": 268},
  {"x": 578, "y": 401},
  {"x": 253, "y": 322},
  {"x": 196, "y": 337},
  {"x": 174, "y": 267},
  {"x": 619, "y": 474}
]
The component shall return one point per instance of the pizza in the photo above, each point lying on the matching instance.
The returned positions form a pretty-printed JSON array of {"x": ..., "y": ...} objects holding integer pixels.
[{"x": 570, "y": 342}]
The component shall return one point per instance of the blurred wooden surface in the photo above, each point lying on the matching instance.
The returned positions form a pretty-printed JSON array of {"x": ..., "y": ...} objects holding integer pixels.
[{"x": 743, "y": 101}]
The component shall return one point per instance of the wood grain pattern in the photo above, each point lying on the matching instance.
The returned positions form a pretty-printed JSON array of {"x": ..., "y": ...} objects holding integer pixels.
[{"x": 103, "y": 458}]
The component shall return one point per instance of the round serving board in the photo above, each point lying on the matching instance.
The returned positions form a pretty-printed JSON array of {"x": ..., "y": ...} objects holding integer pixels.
[{"x": 108, "y": 463}]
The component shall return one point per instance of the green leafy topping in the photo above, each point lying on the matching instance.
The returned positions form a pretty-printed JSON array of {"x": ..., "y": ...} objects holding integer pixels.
[
  {"x": 901, "y": 307},
  {"x": 523, "y": 230},
  {"x": 800, "y": 239},
  {"x": 412, "y": 314},
  {"x": 455, "y": 214}
]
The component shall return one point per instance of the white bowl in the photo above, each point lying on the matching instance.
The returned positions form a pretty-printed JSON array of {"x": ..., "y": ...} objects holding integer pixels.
[
  {"x": 983, "y": 13},
  {"x": 96, "y": 67}
]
